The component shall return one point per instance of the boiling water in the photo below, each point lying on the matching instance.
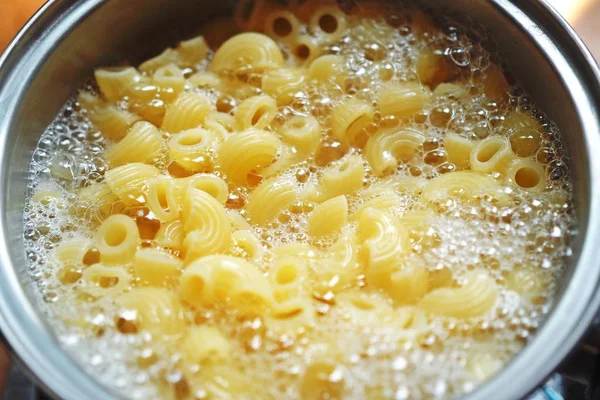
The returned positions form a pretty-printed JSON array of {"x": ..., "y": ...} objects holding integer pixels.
[{"x": 374, "y": 360}]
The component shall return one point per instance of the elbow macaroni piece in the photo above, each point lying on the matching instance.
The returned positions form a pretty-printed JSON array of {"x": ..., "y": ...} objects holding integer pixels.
[
  {"x": 187, "y": 112},
  {"x": 156, "y": 268},
  {"x": 289, "y": 317},
  {"x": 117, "y": 239},
  {"x": 258, "y": 51},
  {"x": 100, "y": 280},
  {"x": 281, "y": 24},
  {"x": 386, "y": 149},
  {"x": 209, "y": 183},
  {"x": 473, "y": 299},
  {"x": 283, "y": 84},
  {"x": 161, "y": 198},
  {"x": 466, "y": 185},
  {"x": 269, "y": 199},
  {"x": 328, "y": 24},
  {"x": 170, "y": 235},
  {"x": 143, "y": 143},
  {"x": 459, "y": 150},
  {"x": 324, "y": 379},
  {"x": 527, "y": 174},
  {"x": 128, "y": 182},
  {"x": 110, "y": 120},
  {"x": 349, "y": 118},
  {"x": 409, "y": 284},
  {"x": 491, "y": 155},
  {"x": 345, "y": 178},
  {"x": 99, "y": 201},
  {"x": 170, "y": 80},
  {"x": 304, "y": 133},
  {"x": 204, "y": 344},
  {"x": 191, "y": 148},
  {"x": 114, "y": 82},
  {"x": 328, "y": 217},
  {"x": 327, "y": 69},
  {"x": 72, "y": 252},
  {"x": 247, "y": 151},
  {"x": 255, "y": 112},
  {"x": 287, "y": 277},
  {"x": 402, "y": 99},
  {"x": 249, "y": 245}
]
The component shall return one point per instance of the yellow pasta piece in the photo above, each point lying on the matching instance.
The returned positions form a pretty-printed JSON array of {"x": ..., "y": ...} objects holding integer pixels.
[
  {"x": 527, "y": 282},
  {"x": 387, "y": 201},
  {"x": 72, "y": 252},
  {"x": 247, "y": 151},
  {"x": 238, "y": 222},
  {"x": 209, "y": 183},
  {"x": 365, "y": 309},
  {"x": 304, "y": 133},
  {"x": 187, "y": 112},
  {"x": 224, "y": 381},
  {"x": 269, "y": 199},
  {"x": 99, "y": 201},
  {"x": 344, "y": 178},
  {"x": 474, "y": 298},
  {"x": 433, "y": 68},
  {"x": 281, "y": 24},
  {"x": 328, "y": 217},
  {"x": 114, "y": 82},
  {"x": 205, "y": 344},
  {"x": 328, "y": 68},
  {"x": 157, "y": 311},
  {"x": 349, "y": 118},
  {"x": 304, "y": 49},
  {"x": 287, "y": 277},
  {"x": 110, "y": 120},
  {"x": 193, "y": 50},
  {"x": 128, "y": 182},
  {"x": 455, "y": 90},
  {"x": 143, "y": 143},
  {"x": 466, "y": 185},
  {"x": 459, "y": 150},
  {"x": 170, "y": 235},
  {"x": 524, "y": 132},
  {"x": 396, "y": 183},
  {"x": 491, "y": 155},
  {"x": 207, "y": 226},
  {"x": 255, "y": 112},
  {"x": 247, "y": 242},
  {"x": 191, "y": 148},
  {"x": 258, "y": 51},
  {"x": 169, "y": 56},
  {"x": 47, "y": 196},
  {"x": 300, "y": 250},
  {"x": 170, "y": 80},
  {"x": 328, "y": 23},
  {"x": 117, "y": 239},
  {"x": 402, "y": 99},
  {"x": 205, "y": 79},
  {"x": 156, "y": 268},
  {"x": 289, "y": 317},
  {"x": 527, "y": 174},
  {"x": 386, "y": 149},
  {"x": 409, "y": 284},
  {"x": 100, "y": 280},
  {"x": 225, "y": 279},
  {"x": 161, "y": 198},
  {"x": 283, "y": 84},
  {"x": 324, "y": 379},
  {"x": 385, "y": 243}
]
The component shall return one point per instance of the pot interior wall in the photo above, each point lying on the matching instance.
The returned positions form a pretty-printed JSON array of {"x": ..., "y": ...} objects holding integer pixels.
[{"x": 132, "y": 30}]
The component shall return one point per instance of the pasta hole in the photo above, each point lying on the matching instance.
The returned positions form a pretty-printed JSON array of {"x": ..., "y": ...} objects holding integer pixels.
[
  {"x": 126, "y": 322},
  {"x": 527, "y": 178},
  {"x": 286, "y": 274},
  {"x": 115, "y": 236},
  {"x": 190, "y": 140},
  {"x": 328, "y": 23},
  {"x": 259, "y": 114},
  {"x": 162, "y": 198},
  {"x": 209, "y": 188},
  {"x": 303, "y": 51},
  {"x": 107, "y": 282},
  {"x": 282, "y": 27},
  {"x": 92, "y": 256},
  {"x": 486, "y": 154},
  {"x": 195, "y": 285}
]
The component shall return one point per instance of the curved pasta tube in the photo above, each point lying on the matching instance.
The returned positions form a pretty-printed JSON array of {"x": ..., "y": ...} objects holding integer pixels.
[
  {"x": 192, "y": 51},
  {"x": 473, "y": 299},
  {"x": 283, "y": 84},
  {"x": 384, "y": 245},
  {"x": 254, "y": 49},
  {"x": 205, "y": 79},
  {"x": 396, "y": 183},
  {"x": 161, "y": 198},
  {"x": 128, "y": 182},
  {"x": 110, "y": 120},
  {"x": 117, "y": 239},
  {"x": 344, "y": 178},
  {"x": 386, "y": 201},
  {"x": 411, "y": 322},
  {"x": 255, "y": 112},
  {"x": 224, "y": 279},
  {"x": 170, "y": 235},
  {"x": 349, "y": 118},
  {"x": 344, "y": 252},
  {"x": 459, "y": 150},
  {"x": 328, "y": 217},
  {"x": 190, "y": 149},
  {"x": 203, "y": 344},
  {"x": 299, "y": 250},
  {"x": 238, "y": 222},
  {"x": 209, "y": 183},
  {"x": 328, "y": 68},
  {"x": 72, "y": 252},
  {"x": 365, "y": 309},
  {"x": 409, "y": 284},
  {"x": 247, "y": 151},
  {"x": 220, "y": 123},
  {"x": 328, "y": 23},
  {"x": 288, "y": 156},
  {"x": 304, "y": 49},
  {"x": 207, "y": 226},
  {"x": 402, "y": 99},
  {"x": 287, "y": 276},
  {"x": 524, "y": 132},
  {"x": 187, "y": 112},
  {"x": 156, "y": 268},
  {"x": 269, "y": 199},
  {"x": 289, "y": 317},
  {"x": 99, "y": 201},
  {"x": 527, "y": 175},
  {"x": 433, "y": 68},
  {"x": 47, "y": 196},
  {"x": 100, "y": 280},
  {"x": 143, "y": 143},
  {"x": 248, "y": 244},
  {"x": 466, "y": 185},
  {"x": 386, "y": 149},
  {"x": 491, "y": 155},
  {"x": 455, "y": 90},
  {"x": 114, "y": 82},
  {"x": 528, "y": 283},
  {"x": 281, "y": 24},
  {"x": 323, "y": 379},
  {"x": 224, "y": 381},
  {"x": 169, "y": 56},
  {"x": 157, "y": 311},
  {"x": 304, "y": 133},
  {"x": 170, "y": 80}
]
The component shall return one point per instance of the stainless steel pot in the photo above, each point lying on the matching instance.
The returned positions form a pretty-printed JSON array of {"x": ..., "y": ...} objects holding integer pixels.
[{"x": 59, "y": 48}]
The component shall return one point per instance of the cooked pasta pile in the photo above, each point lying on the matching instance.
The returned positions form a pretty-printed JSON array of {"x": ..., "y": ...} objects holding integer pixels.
[{"x": 305, "y": 202}]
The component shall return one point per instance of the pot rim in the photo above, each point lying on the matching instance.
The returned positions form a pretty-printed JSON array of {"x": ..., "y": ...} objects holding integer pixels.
[{"x": 63, "y": 377}]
